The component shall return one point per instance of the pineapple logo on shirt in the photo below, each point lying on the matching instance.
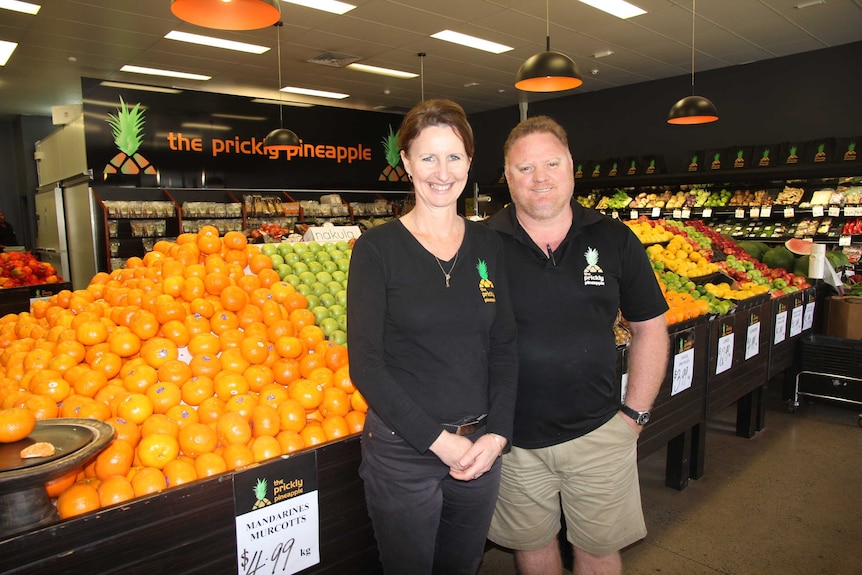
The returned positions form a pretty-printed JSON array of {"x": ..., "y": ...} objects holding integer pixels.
[
  {"x": 486, "y": 286},
  {"x": 593, "y": 274}
]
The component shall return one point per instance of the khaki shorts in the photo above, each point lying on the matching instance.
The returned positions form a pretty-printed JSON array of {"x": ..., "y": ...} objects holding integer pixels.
[{"x": 595, "y": 477}]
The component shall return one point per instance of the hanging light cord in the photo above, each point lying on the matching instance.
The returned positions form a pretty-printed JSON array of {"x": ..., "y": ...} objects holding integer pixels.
[
  {"x": 692, "y": 46},
  {"x": 422, "y": 75},
  {"x": 547, "y": 26},
  {"x": 278, "y": 26}
]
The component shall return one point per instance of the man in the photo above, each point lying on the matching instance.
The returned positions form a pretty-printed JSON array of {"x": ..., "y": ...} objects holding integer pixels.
[
  {"x": 7, "y": 233},
  {"x": 574, "y": 445}
]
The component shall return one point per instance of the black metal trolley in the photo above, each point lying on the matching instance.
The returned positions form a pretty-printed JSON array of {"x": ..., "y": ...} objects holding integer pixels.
[{"x": 830, "y": 368}]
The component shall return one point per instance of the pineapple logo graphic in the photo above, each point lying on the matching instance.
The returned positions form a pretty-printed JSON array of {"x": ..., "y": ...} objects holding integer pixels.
[
  {"x": 593, "y": 274},
  {"x": 692, "y": 166},
  {"x": 633, "y": 168},
  {"x": 716, "y": 161},
  {"x": 850, "y": 154},
  {"x": 739, "y": 162},
  {"x": 127, "y": 129},
  {"x": 820, "y": 156},
  {"x": 792, "y": 158},
  {"x": 486, "y": 286},
  {"x": 392, "y": 172},
  {"x": 764, "y": 160},
  {"x": 597, "y": 171},
  {"x": 613, "y": 171},
  {"x": 260, "y": 489},
  {"x": 579, "y": 173},
  {"x": 651, "y": 168}
]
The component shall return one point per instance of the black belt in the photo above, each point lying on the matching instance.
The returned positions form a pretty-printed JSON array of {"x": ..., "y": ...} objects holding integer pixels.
[{"x": 466, "y": 426}]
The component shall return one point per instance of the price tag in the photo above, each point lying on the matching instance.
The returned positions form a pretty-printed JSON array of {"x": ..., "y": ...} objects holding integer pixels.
[
  {"x": 808, "y": 319},
  {"x": 834, "y": 211},
  {"x": 788, "y": 212},
  {"x": 686, "y": 213},
  {"x": 817, "y": 211},
  {"x": 739, "y": 214},
  {"x": 277, "y": 516},
  {"x": 765, "y": 211},
  {"x": 752, "y": 340},
  {"x": 633, "y": 215},
  {"x": 754, "y": 213},
  {"x": 615, "y": 215},
  {"x": 796, "y": 320},
  {"x": 677, "y": 214},
  {"x": 780, "y": 327},
  {"x": 656, "y": 212},
  {"x": 707, "y": 212},
  {"x": 683, "y": 371},
  {"x": 724, "y": 355},
  {"x": 845, "y": 240},
  {"x": 849, "y": 211}
]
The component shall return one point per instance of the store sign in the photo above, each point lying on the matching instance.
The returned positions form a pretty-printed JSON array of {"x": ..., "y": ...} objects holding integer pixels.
[
  {"x": 277, "y": 516},
  {"x": 326, "y": 234}
]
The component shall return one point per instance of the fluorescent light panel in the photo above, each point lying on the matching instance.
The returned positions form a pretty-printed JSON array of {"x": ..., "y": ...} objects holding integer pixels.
[
  {"x": 215, "y": 42},
  {"x": 381, "y": 71},
  {"x": 168, "y": 73},
  {"x": 326, "y": 5},
  {"x": 282, "y": 103},
  {"x": 471, "y": 41},
  {"x": 318, "y": 93},
  {"x": 6, "y": 49},
  {"x": 141, "y": 87},
  {"x": 618, "y": 8},
  {"x": 25, "y": 7}
]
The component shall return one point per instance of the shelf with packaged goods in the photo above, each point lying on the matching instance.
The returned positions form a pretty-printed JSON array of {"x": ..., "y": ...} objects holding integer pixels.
[{"x": 198, "y": 208}]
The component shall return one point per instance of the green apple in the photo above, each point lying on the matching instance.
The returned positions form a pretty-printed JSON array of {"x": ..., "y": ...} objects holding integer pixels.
[
  {"x": 320, "y": 312},
  {"x": 323, "y": 277},
  {"x": 338, "y": 336},
  {"x": 323, "y": 257},
  {"x": 307, "y": 256},
  {"x": 330, "y": 266},
  {"x": 292, "y": 279},
  {"x": 338, "y": 276},
  {"x": 312, "y": 301},
  {"x": 269, "y": 249},
  {"x": 315, "y": 266},
  {"x": 343, "y": 264},
  {"x": 291, "y": 258},
  {"x": 337, "y": 255},
  {"x": 285, "y": 248},
  {"x": 314, "y": 247},
  {"x": 334, "y": 287},
  {"x": 342, "y": 322},
  {"x": 283, "y": 270},
  {"x": 276, "y": 260},
  {"x": 341, "y": 297},
  {"x": 336, "y": 310},
  {"x": 307, "y": 278},
  {"x": 304, "y": 289},
  {"x": 327, "y": 299},
  {"x": 300, "y": 247},
  {"x": 318, "y": 288},
  {"x": 330, "y": 246},
  {"x": 328, "y": 325},
  {"x": 299, "y": 267}
]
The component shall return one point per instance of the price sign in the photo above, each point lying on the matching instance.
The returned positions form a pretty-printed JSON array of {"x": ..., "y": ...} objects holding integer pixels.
[
  {"x": 683, "y": 371},
  {"x": 834, "y": 211},
  {"x": 633, "y": 215},
  {"x": 796, "y": 320},
  {"x": 707, "y": 212},
  {"x": 752, "y": 339},
  {"x": 808, "y": 319},
  {"x": 677, "y": 214},
  {"x": 845, "y": 240},
  {"x": 615, "y": 215},
  {"x": 780, "y": 327},
  {"x": 765, "y": 211},
  {"x": 724, "y": 356},
  {"x": 754, "y": 213},
  {"x": 788, "y": 212},
  {"x": 277, "y": 517},
  {"x": 739, "y": 214},
  {"x": 656, "y": 212},
  {"x": 686, "y": 213},
  {"x": 817, "y": 211}
]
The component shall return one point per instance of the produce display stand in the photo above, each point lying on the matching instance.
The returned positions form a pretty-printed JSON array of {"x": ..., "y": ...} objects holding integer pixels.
[
  {"x": 739, "y": 362},
  {"x": 191, "y": 529},
  {"x": 788, "y": 325},
  {"x": 18, "y": 299}
]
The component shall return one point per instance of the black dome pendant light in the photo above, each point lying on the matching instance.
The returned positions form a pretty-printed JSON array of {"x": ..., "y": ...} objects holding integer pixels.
[
  {"x": 280, "y": 138},
  {"x": 548, "y": 71},
  {"x": 692, "y": 109}
]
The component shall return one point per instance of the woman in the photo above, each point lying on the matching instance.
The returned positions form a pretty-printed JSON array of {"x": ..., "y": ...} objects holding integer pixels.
[{"x": 432, "y": 349}]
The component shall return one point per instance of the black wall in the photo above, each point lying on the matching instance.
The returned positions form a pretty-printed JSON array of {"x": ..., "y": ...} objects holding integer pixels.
[{"x": 794, "y": 98}]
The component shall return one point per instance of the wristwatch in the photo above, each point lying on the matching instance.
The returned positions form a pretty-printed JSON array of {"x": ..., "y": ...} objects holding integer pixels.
[{"x": 640, "y": 417}]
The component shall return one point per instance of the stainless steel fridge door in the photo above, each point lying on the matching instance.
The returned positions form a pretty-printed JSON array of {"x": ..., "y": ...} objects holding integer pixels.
[{"x": 51, "y": 245}]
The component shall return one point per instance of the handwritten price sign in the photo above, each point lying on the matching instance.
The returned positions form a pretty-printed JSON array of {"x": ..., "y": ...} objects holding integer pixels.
[
  {"x": 752, "y": 340},
  {"x": 724, "y": 354},
  {"x": 277, "y": 517},
  {"x": 796, "y": 321},
  {"x": 780, "y": 327},
  {"x": 683, "y": 371},
  {"x": 808, "y": 320}
]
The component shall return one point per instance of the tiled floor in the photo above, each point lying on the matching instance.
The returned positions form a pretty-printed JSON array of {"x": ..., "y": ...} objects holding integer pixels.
[{"x": 788, "y": 501}]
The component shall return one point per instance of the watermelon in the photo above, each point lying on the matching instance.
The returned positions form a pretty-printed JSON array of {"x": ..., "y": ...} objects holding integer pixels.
[
  {"x": 838, "y": 259},
  {"x": 799, "y": 246},
  {"x": 779, "y": 257},
  {"x": 801, "y": 266},
  {"x": 754, "y": 249}
]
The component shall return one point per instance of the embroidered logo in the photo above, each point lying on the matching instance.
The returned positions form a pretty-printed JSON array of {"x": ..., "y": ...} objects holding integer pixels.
[
  {"x": 486, "y": 286},
  {"x": 593, "y": 274}
]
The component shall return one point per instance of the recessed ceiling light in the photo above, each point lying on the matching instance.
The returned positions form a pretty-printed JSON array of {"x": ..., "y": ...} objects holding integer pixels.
[
  {"x": 381, "y": 71},
  {"x": 168, "y": 73},
  {"x": 471, "y": 41},
  {"x": 618, "y": 8},
  {"x": 6, "y": 49},
  {"x": 282, "y": 103},
  {"x": 326, "y": 5},
  {"x": 141, "y": 87},
  {"x": 216, "y": 42},
  {"x": 25, "y": 7},
  {"x": 318, "y": 93}
]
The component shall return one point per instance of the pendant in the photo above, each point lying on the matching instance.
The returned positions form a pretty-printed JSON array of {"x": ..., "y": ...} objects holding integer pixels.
[{"x": 447, "y": 276}]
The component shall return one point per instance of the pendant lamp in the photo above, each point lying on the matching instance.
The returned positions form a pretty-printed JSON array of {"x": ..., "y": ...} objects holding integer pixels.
[
  {"x": 228, "y": 14},
  {"x": 548, "y": 71},
  {"x": 280, "y": 138},
  {"x": 692, "y": 109}
]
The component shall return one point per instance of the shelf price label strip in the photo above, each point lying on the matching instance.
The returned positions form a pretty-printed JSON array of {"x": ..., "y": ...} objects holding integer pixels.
[{"x": 277, "y": 516}]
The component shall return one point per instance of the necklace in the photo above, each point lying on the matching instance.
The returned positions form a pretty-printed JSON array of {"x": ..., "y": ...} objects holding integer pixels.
[{"x": 447, "y": 275}]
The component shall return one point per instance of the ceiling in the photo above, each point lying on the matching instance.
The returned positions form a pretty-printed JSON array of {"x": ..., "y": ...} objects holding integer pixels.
[{"x": 69, "y": 39}]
